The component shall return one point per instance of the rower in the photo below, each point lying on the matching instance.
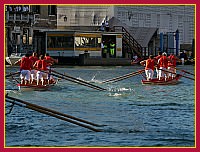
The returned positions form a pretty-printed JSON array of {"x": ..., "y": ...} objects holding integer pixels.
[
  {"x": 25, "y": 69},
  {"x": 33, "y": 59},
  {"x": 157, "y": 67},
  {"x": 163, "y": 64},
  {"x": 149, "y": 67},
  {"x": 41, "y": 65},
  {"x": 172, "y": 66},
  {"x": 50, "y": 61}
]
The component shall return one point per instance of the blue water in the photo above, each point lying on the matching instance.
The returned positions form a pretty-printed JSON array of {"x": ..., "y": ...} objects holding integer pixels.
[{"x": 133, "y": 114}]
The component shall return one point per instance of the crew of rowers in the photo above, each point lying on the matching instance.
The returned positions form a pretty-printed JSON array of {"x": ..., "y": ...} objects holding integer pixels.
[
  {"x": 34, "y": 70},
  {"x": 165, "y": 66}
]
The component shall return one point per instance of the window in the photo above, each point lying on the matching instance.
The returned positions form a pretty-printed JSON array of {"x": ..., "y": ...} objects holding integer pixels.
[
  {"x": 87, "y": 42},
  {"x": 60, "y": 42},
  {"x": 68, "y": 42},
  {"x": 36, "y": 9},
  {"x": 52, "y": 10}
]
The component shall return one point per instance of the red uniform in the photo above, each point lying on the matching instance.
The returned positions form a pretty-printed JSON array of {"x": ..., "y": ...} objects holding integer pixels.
[
  {"x": 44, "y": 65},
  {"x": 150, "y": 64},
  {"x": 26, "y": 64},
  {"x": 173, "y": 59},
  {"x": 38, "y": 64},
  {"x": 163, "y": 62},
  {"x": 33, "y": 59},
  {"x": 41, "y": 65},
  {"x": 48, "y": 58},
  {"x": 157, "y": 58}
]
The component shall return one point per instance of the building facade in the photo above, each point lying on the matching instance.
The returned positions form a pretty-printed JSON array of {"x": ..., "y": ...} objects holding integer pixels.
[
  {"x": 24, "y": 22},
  {"x": 166, "y": 18},
  {"x": 82, "y": 15}
]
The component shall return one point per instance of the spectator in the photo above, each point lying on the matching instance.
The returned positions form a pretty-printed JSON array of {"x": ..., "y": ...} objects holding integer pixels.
[
  {"x": 183, "y": 57},
  {"x": 107, "y": 26},
  {"x": 102, "y": 27}
]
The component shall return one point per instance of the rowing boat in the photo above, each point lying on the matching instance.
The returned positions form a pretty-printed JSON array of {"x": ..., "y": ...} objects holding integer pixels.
[
  {"x": 34, "y": 87},
  {"x": 156, "y": 81},
  {"x": 14, "y": 57}
]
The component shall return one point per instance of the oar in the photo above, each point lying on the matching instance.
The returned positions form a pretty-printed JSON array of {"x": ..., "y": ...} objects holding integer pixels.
[
  {"x": 186, "y": 71},
  {"x": 84, "y": 84},
  {"x": 53, "y": 113},
  {"x": 56, "y": 116},
  {"x": 11, "y": 74},
  {"x": 15, "y": 79},
  {"x": 123, "y": 76},
  {"x": 61, "y": 76},
  {"x": 111, "y": 80},
  {"x": 43, "y": 108},
  {"x": 176, "y": 74},
  {"x": 75, "y": 80}
]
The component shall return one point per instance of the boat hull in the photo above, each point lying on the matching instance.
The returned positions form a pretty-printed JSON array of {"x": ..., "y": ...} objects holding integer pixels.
[
  {"x": 34, "y": 87},
  {"x": 13, "y": 58},
  {"x": 162, "y": 82}
]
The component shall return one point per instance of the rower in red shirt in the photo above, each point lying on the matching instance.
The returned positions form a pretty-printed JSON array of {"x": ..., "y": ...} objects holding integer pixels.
[
  {"x": 41, "y": 66},
  {"x": 50, "y": 60},
  {"x": 157, "y": 67},
  {"x": 33, "y": 59},
  {"x": 172, "y": 65},
  {"x": 163, "y": 65},
  {"x": 25, "y": 68},
  {"x": 149, "y": 67}
]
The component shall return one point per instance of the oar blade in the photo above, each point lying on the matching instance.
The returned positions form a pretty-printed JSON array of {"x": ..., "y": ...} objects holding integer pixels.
[{"x": 12, "y": 74}]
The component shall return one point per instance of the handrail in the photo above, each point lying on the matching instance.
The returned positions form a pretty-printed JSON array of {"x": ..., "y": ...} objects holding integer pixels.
[{"x": 129, "y": 39}]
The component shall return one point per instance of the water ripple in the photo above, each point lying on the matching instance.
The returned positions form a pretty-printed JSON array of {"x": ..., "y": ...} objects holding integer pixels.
[{"x": 131, "y": 114}]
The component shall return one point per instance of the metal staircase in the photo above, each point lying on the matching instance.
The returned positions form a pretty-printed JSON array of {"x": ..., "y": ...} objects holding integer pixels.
[{"x": 129, "y": 42}]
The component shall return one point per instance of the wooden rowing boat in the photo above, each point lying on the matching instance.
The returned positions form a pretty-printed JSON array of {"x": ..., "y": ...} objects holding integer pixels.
[
  {"x": 156, "y": 81},
  {"x": 14, "y": 57},
  {"x": 34, "y": 87}
]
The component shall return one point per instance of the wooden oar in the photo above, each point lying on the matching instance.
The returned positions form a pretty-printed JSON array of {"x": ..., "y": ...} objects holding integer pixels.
[
  {"x": 56, "y": 116},
  {"x": 84, "y": 84},
  {"x": 176, "y": 74},
  {"x": 11, "y": 74},
  {"x": 123, "y": 76},
  {"x": 43, "y": 108},
  {"x": 75, "y": 80},
  {"x": 15, "y": 79},
  {"x": 129, "y": 74},
  {"x": 126, "y": 77},
  {"x": 53, "y": 113},
  {"x": 186, "y": 71}
]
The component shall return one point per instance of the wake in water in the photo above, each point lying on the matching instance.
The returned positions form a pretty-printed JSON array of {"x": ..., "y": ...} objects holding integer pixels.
[
  {"x": 130, "y": 124},
  {"x": 117, "y": 92},
  {"x": 93, "y": 80},
  {"x": 112, "y": 89},
  {"x": 11, "y": 86}
]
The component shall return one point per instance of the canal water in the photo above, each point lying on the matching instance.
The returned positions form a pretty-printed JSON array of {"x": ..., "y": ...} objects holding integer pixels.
[{"x": 131, "y": 114}]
